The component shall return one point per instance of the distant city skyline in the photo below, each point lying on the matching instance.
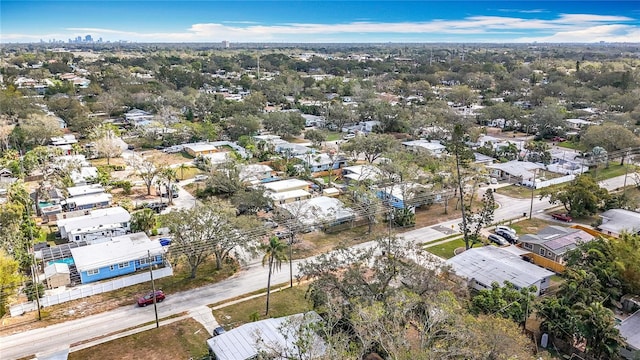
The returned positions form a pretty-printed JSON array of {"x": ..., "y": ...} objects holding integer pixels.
[{"x": 321, "y": 21}]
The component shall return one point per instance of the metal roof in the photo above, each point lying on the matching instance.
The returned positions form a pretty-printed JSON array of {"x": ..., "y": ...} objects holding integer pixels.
[
  {"x": 119, "y": 249},
  {"x": 276, "y": 337},
  {"x": 630, "y": 330},
  {"x": 489, "y": 263}
]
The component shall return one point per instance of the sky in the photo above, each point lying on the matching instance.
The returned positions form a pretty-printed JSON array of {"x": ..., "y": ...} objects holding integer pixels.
[{"x": 329, "y": 21}]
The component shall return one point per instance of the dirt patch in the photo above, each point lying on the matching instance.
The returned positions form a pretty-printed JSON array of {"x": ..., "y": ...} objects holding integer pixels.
[
  {"x": 160, "y": 157},
  {"x": 185, "y": 339}
]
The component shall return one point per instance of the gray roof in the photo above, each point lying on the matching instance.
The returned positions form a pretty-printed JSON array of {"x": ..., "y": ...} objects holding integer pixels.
[
  {"x": 279, "y": 334},
  {"x": 490, "y": 263},
  {"x": 517, "y": 168},
  {"x": 619, "y": 220},
  {"x": 630, "y": 330},
  {"x": 319, "y": 209},
  {"x": 558, "y": 239}
]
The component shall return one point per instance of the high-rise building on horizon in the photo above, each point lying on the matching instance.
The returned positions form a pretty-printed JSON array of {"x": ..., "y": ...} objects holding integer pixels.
[{"x": 225, "y": 44}]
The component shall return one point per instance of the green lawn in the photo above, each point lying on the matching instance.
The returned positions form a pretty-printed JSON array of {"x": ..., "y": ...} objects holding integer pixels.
[
  {"x": 615, "y": 169},
  {"x": 571, "y": 145},
  {"x": 334, "y": 135},
  {"x": 282, "y": 303},
  {"x": 445, "y": 250}
]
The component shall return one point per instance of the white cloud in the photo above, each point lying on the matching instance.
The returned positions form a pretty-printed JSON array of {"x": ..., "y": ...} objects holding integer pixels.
[{"x": 564, "y": 28}]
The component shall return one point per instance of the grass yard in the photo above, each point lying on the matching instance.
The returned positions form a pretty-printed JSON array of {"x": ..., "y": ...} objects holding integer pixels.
[
  {"x": 185, "y": 339},
  {"x": 445, "y": 250},
  {"x": 615, "y": 169},
  {"x": 334, "y": 135},
  {"x": 530, "y": 226},
  {"x": 282, "y": 303},
  {"x": 571, "y": 145},
  {"x": 320, "y": 242}
]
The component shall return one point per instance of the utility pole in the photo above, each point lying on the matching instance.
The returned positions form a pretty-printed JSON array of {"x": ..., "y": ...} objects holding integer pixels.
[
  {"x": 153, "y": 286},
  {"x": 34, "y": 267},
  {"x": 533, "y": 189}
]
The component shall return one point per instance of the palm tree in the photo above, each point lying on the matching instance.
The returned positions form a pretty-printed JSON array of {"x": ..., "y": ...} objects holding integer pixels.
[
  {"x": 274, "y": 255},
  {"x": 143, "y": 220},
  {"x": 167, "y": 174},
  {"x": 182, "y": 168}
]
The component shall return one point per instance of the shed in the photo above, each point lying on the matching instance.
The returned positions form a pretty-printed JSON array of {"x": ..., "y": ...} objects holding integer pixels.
[
  {"x": 617, "y": 221},
  {"x": 56, "y": 275}
]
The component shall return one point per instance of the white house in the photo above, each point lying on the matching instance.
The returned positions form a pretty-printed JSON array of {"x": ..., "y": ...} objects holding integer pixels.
[
  {"x": 617, "y": 221},
  {"x": 255, "y": 173},
  {"x": 359, "y": 173},
  {"x": 323, "y": 211},
  {"x": 76, "y": 191},
  {"x": 106, "y": 218},
  {"x": 630, "y": 331},
  {"x": 84, "y": 176},
  {"x": 137, "y": 117},
  {"x": 288, "y": 196},
  {"x": 286, "y": 185},
  {"x": 484, "y": 265},
  {"x": 275, "y": 338},
  {"x": 434, "y": 147}
]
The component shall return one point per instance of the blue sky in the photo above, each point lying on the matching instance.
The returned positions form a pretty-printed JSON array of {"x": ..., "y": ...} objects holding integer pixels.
[{"x": 321, "y": 21}]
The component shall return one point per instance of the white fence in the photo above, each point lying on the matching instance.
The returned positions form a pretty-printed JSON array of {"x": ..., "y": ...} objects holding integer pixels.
[
  {"x": 82, "y": 291},
  {"x": 542, "y": 184}
]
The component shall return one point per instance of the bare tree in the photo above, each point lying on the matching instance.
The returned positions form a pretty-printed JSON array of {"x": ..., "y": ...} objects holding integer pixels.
[
  {"x": 106, "y": 141},
  {"x": 147, "y": 169}
]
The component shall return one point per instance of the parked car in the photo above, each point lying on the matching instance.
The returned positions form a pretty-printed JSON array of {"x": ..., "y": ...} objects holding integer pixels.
[
  {"x": 157, "y": 207},
  {"x": 511, "y": 237},
  {"x": 348, "y": 136},
  {"x": 218, "y": 331},
  {"x": 505, "y": 228},
  {"x": 562, "y": 217},
  {"x": 148, "y": 299},
  {"x": 497, "y": 239},
  {"x": 270, "y": 224},
  {"x": 558, "y": 139},
  {"x": 200, "y": 177}
]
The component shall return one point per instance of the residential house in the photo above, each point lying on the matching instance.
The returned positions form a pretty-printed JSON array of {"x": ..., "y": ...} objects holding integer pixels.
[
  {"x": 286, "y": 185},
  {"x": 402, "y": 195},
  {"x": 488, "y": 264},
  {"x": 288, "y": 149},
  {"x": 433, "y": 147},
  {"x": 322, "y": 162},
  {"x": 630, "y": 331},
  {"x": 108, "y": 218},
  {"x": 320, "y": 211},
  {"x": 84, "y": 176},
  {"x": 359, "y": 173},
  {"x": 578, "y": 124},
  {"x": 552, "y": 242},
  {"x": 76, "y": 191},
  {"x": 137, "y": 117},
  {"x": 313, "y": 120},
  {"x": 56, "y": 275},
  {"x": 121, "y": 255},
  {"x": 256, "y": 173},
  {"x": 91, "y": 201},
  {"x": 617, "y": 221},
  {"x": 514, "y": 171},
  {"x": 284, "y": 197},
  {"x": 483, "y": 159},
  {"x": 202, "y": 148},
  {"x": 276, "y": 338}
]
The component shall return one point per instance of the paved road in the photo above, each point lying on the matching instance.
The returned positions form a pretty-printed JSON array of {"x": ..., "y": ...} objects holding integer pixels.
[{"x": 251, "y": 278}]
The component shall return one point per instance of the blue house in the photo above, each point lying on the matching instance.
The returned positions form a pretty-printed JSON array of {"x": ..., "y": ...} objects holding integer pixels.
[
  {"x": 322, "y": 162},
  {"x": 398, "y": 195},
  {"x": 118, "y": 256}
]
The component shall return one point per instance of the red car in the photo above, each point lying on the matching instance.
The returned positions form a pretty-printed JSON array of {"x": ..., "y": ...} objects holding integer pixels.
[
  {"x": 148, "y": 299},
  {"x": 562, "y": 217},
  {"x": 558, "y": 139}
]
